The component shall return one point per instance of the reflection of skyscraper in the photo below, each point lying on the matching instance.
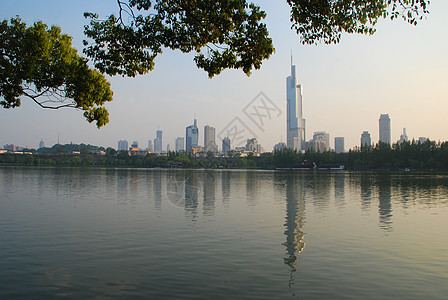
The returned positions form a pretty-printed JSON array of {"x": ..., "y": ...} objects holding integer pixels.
[
  {"x": 295, "y": 209},
  {"x": 384, "y": 123},
  {"x": 209, "y": 193},
  {"x": 192, "y": 136},
  {"x": 385, "y": 206},
  {"x": 295, "y": 123},
  {"x": 158, "y": 142},
  {"x": 191, "y": 195}
]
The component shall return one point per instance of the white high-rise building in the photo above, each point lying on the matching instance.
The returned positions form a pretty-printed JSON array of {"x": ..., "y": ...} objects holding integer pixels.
[
  {"x": 366, "y": 141},
  {"x": 209, "y": 139},
  {"x": 123, "y": 145},
  {"x": 295, "y": 123},
  {"x": 180, "y": 144},
  {"x": 323, "y": 137},
  {"x": 403, "y": 137},
  {"x": 339, "y": 144},
  {"x": 384, "y": 123}
]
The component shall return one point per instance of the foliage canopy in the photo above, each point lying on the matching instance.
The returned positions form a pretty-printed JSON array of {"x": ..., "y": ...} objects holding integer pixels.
[
  {"x": 41, "y": 64},
  {"x": 225, "y": 34}
]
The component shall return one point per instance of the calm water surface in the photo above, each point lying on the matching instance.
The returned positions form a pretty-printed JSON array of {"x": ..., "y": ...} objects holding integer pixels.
[{"x": 197, "y": 234}]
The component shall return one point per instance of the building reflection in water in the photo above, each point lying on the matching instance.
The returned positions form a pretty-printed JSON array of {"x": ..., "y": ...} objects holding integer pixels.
[
  {"x": 157, "y": 184},
  {"x": 366, "y": 191},
  {"x": 209, "y": 187},
  {"x": 385, "y": 205},
  {"x": 225, "y": 187},
  {"x": 295, "y": 213},
  {"x": 191, "y": 195},
  {"x": 339, "y": 189}
]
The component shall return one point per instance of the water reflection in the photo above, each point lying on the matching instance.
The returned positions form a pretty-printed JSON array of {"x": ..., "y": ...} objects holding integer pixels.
[
  {"x": 295, "y": 213},
  {"x": 385, "y": 205}
]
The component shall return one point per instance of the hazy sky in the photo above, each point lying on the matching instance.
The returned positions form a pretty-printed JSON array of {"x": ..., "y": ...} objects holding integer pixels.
[{"x": 402, "y": 70}]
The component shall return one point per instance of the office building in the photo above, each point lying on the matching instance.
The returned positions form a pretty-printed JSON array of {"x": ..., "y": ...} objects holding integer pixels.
[
  {"x": 324, "y": 138},
  {"x": 180, "y": 144},
  {"x": 253, "y": 146},
  {"x": 225, "y": 145},
  {"x": 295, "y": 123},
  {"x": 366, "y": 141},
  {"x": 384, "y": 123},
  {"x": 339, "y": 144},
  {"x": 123, "y": 145},
  {"x": 403, "y": 137},
  {"x": 209, "y": 139},
  {"x": 279, "y": 146},
  {"x": 192, "y": 136},
  {"x": 158, "y": 142},
  {"x": 149, "y": 145}
]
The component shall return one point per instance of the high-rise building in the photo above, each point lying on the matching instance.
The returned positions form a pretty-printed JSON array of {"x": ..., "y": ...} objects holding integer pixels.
[
  {"x": 180, "y": 144},
  {"x": 403, "y": 137},
  {"x": 123, "y": 145},
  {"x": 225, "y": 145},
  {"x": 158, "y": 142},
  {"x": 209, "y": 139},
  {"x": 41, "y": 144},
  {"x": 252, "y": 145},
  {"x": 366, "y": 141},
  {"x": 192, "y": 136},
  {"x": 149, "y": 145},
  {"x": 134, "y": 145},
  {"x": 168, "y": 148},
  {"x": 339, "y": 144},
  {"x": 384, "y": 123},
  {"x": 279, "y": 146},
  {"x": 295, "y": 123},
  {"x": 323, "y": 137}
]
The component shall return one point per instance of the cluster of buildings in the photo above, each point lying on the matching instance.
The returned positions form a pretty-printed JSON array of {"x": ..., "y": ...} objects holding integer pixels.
[
  {"x": 190, "y": 144},
  {"x": 295, "y": 132}
]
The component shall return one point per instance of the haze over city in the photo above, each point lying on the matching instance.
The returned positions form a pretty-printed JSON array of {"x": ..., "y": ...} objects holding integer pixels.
[{"x": 401, "y": 70}]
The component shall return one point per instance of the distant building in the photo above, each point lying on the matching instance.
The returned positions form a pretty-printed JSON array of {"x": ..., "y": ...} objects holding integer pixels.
[
  {"x": 253, "y": 146},
  {"x": 123, "y": 145},
  {"x": 225, "y": 145},
  {"x": 422, "y": 139},
  {"x": 384, "y": 124},
  {"x": 158, "y": 142},
  {"x": 322, "y": 137},
  {"x": 316, "y": 145},
  {"x": 192, "y": 136},
  {"x": 134, "y": 144},
  {"x": 365, "y": 139},
  {"x": 41, "y": 144},
  {"x": 209, "y": 139},
  {"x": 11, "y": 147},
  {"x": 295, "y": 123},
  {"x": 149, "y": 145},
  {"x": 180, "y": 144},
  {"x": 168, "y": 148},
  {"x": 279, "y": 146},
  {"x": 403, "y": 137},
  {"x": 339, "y": 144}
]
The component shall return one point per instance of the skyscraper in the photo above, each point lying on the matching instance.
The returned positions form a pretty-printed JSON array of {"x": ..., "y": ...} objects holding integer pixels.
[
  {"x": 322, "y": 137},
  {"x": 123, "y": 145},
  {"x": 149, "y": 145},
  {"x": 158, "y": 142},
  {"x": 41, "y": 144},
  {"x": 209, "y": 139},
  {"x": 403, "y": 137},
  {"x": 384, "y": 128},
  {"x": 365, "y": 139},
  {"x": 295, "y": 123},
  {"x": 339, "y": 144},
  {"x": 180, "y": 144},
  {"x": 192, "y": 136},
  {"x": 225, "y": 145}
]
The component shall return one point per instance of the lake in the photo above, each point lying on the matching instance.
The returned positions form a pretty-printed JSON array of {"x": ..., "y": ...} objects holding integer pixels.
[{"x": 222, "y": 234}]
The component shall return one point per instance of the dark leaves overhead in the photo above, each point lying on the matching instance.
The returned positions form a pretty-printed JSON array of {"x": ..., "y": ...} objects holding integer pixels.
[{"x": 40, "y": 63}]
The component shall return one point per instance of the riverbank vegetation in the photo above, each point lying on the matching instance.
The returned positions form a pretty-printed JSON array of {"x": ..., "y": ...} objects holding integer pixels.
[{"x": 413, "y": 155}]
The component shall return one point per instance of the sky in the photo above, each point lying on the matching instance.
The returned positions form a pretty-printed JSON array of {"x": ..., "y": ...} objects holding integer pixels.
[{"x": 401, "y": 70}]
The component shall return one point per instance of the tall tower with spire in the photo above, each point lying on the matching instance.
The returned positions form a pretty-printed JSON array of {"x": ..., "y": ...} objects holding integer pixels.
[{"x": 295, "y": 123}]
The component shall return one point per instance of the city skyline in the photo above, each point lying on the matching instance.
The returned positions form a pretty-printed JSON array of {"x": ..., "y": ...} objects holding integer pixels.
[{"x": 401, "y": 70}]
